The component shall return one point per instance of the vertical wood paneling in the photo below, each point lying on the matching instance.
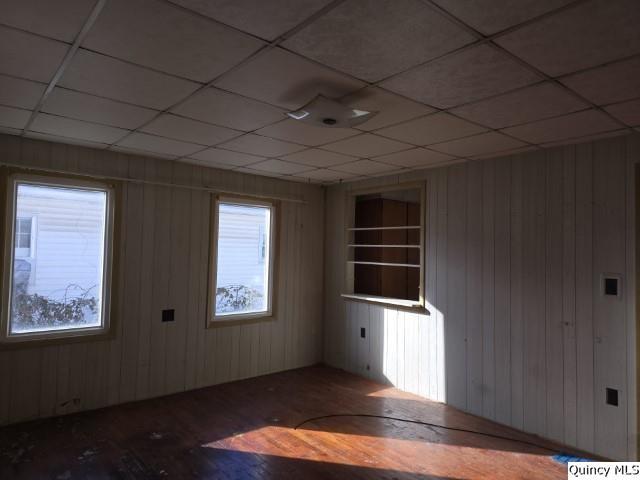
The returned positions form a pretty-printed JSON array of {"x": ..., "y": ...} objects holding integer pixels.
[
  {"x": 455, "y": 317},
  {"x": 516, "y": 249},
  {"x": 163, "y": 263}
]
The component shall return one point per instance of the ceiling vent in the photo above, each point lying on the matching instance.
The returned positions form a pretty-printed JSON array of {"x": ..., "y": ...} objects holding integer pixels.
[{"x": 324, "y": 112}]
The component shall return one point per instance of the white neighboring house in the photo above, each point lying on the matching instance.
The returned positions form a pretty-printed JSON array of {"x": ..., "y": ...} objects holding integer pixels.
[
  {"x": 242, "y": 249},
  {"x": 56, "y": 247}
]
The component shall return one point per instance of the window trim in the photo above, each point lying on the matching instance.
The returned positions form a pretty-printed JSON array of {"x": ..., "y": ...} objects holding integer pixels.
[
  {"x": 348, "y": 293},
  {"x": 214, "y": 320},
  {"x": 10, "y": 184}
]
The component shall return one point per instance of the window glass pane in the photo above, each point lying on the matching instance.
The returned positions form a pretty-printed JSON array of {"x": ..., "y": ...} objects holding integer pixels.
[
  {"x": 60, "y": 287},
  {"x": 242, "y": 284}
]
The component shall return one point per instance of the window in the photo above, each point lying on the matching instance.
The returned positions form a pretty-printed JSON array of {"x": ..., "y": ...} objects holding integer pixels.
[
  {"x": 242, "y": 267},
  {"x": 68, "y": 293},
  {"x": 24, "y": 238},
  {"x": 385, "y": 247}
]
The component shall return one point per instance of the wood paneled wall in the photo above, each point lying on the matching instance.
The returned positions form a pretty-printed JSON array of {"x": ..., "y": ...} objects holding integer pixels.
[
  {"x": 518, "y": 331},
  {"x": 163, "y": 253}
]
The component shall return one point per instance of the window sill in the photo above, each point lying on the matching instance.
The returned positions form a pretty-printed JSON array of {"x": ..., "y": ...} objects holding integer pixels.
[
  {"x": 410, "y": 305},
  {"x": 240, "y": 319}
]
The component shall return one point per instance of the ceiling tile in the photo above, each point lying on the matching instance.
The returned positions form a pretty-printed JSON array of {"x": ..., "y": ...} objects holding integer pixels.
[
  {"x": 168, "y": 38},
  {"x": 391, "y": 108},
  {"x": 82, "y": 106},
  {"x": 10, "y": 131},
  {"x": 222, "y": 108},
  {"x": 505, "y": 153},
  {"x": 365, "y": 167},
  {"x": 68, "y": 127},
  {"x": 587, "y": 138},
  {"x": 179, "y": 128},
  {"x": 262, "y": 173},
  {"x": 367, "y": 145},
  {"x": 298, "y": 132},
  {"x": 478, "y": 145},
  {"x": 152, "y": 143},
  {"x": 262, "y": 146},
  {"x": 278, "y": 166},
  {"x": 586, "y": 35},
  {"x": 435, "y": 128},
  {"x": 264, "y": 19},
  {"x": 29, "y": 56},
  {"x": 204, "y": 163},
  {"x": 464, "y": 77},
  {"x": 13, "y": 117},
  {"x": 15, "y": 92},
  {"x": 568, "y": 126},
  {"x": 65, "y": 140},
  {"x": 373, "y": 39},
  {"x": 492, "y": 16},
  {"x": 282, "y": 78},
  {"x": 612, "y": 83},
  {"x": 144, "y": 153},
  {"x": 61, "y": 19},
  {"x": 324, "y": 175},
  {"x": 107, "y": 77},
  {"x": 319, "y": 158},
  {"x": 627, "y": 112},
  {"x": 415, "y": 158},
  {"x": 226, "y": 157},
  {"x": 522, "y": 106}
]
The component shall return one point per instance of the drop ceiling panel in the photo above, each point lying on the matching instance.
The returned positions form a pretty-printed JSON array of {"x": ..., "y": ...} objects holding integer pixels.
[
  {"x": 188, "y": 130},
  {"x": 168, "y": 38},
  {"x": 586, "y": 138},
  {"x": 282, "y": 168},
  {"x": 366, "y": 167},
  {"x": 264, "y": 19},
  {"x": 627, "y": 112},
  {"x": 68, "y": 127},
  {"x": 282, "y": 78},
  {"x": 522, "y": 106},
  {"x": 152, "y": 143},
  {"x": 492, "y": 16},
  {"x": 612, "y": 83},
  {"x": 259, "y": 145},
  {"x": 15, "y": 92},
  {"x": 319, "y": 158},
  {"x": 59, "y": 19},
  {"x": 325, "y": 175},
  {"x": 373, "y": 39},
  {"x": 391, "y": 108},
  {"x": 568, "y": 126},
  {"x": 108, "y": 77},
  {"x": 367, "y": 145},
  {"x": 13, "y": 117},
  {"x": 415, "y": 158},
  {"x": 467, "y": 76},
  {"x": 29, "y": 56},
  {"x": 229, "y": 110},
  {"x": 589, "y": 34},
  {"x": 65, "y": 140},
  {"x": 226, "y": 157},
  {"x": 478, "y": 145},
  {"x": 435, "y": 128},
  {"x": 82, "y": 106},
  {"x": 298, "y": 132}
]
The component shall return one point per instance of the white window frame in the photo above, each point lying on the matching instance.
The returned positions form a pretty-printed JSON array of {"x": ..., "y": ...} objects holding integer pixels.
[
  {"x": 32, "y": 240},
  {"x": 348, "y": 293},
  {"x": 6, "y": 337},
  {"x": 231, "y": 318}
]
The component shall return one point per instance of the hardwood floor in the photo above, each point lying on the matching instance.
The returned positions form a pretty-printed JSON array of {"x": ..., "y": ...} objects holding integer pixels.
[{"x": 245, "y": 430}]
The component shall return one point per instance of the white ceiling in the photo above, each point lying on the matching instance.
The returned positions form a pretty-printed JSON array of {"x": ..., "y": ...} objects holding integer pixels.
[{"x": 209, "y": 81}]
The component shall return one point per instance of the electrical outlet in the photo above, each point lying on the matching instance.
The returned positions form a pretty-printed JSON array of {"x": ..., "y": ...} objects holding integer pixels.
[
  {"x": 612, "y": 397},
  {"x": 168, "y": 315},
  {"x": 363, "y": 332}
]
